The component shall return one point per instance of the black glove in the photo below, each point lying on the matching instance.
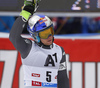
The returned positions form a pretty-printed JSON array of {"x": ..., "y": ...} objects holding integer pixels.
[{"x": 30, "y": 7}]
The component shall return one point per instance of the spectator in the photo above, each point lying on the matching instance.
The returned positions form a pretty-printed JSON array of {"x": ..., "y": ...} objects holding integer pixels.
[
  {"x": 67, "y": 25},
  {"x": 6, "y": 23}
]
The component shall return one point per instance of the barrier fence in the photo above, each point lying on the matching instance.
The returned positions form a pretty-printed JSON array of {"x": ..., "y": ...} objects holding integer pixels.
[{"x": 83, "y": 63}]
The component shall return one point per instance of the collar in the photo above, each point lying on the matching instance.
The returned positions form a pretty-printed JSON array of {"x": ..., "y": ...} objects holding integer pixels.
[{"x": 45, "y": 46}]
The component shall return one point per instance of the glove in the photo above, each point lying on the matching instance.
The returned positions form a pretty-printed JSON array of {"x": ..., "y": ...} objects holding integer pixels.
[{"x": 30, "y": 7}]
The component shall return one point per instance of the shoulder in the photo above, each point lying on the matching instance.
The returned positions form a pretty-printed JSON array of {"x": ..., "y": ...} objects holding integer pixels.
[
  {"x": 55, "y": 45},
  {"x": 34, "y": 46}
]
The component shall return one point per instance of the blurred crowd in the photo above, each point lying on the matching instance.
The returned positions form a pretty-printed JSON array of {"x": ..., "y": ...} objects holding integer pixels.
[
  {"x": 6, "y": 23},
  {"x": 72, "y": 25},
  {"x": 62, "y": 25}
]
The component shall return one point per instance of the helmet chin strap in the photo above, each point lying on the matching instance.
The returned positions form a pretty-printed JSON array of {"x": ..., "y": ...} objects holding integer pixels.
[{"x": 45, "y": 46}]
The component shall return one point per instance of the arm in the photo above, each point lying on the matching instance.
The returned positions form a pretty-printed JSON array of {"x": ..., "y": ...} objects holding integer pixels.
[
  {"x": 62, "y": 78},
  {"x": 21, "y": 44},
  {"x": 18, "y": 41}
]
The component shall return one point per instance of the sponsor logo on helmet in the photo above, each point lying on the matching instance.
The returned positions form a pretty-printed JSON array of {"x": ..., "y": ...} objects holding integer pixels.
[{"x": 43, "y": 20}]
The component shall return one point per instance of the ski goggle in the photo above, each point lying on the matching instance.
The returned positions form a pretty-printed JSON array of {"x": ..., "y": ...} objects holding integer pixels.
[{"x": 46, "y": 33}]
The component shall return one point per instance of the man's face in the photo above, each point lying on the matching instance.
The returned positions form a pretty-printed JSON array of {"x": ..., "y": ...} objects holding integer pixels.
[{"x": 47, "y": 41}]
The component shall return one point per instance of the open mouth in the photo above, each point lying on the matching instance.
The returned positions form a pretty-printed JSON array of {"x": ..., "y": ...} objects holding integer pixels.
[{"x": 50, "y": 40}]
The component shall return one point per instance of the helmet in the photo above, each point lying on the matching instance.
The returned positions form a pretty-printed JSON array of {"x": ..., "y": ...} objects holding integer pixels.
[{"x": 40, "y": 26}]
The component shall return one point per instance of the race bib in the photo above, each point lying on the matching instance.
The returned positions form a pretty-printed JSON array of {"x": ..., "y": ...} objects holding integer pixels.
[{"x": 40, "y": 76}]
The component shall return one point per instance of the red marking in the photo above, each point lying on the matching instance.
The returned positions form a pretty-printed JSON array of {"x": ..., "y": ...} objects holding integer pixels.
[
  {"x": 55, "y": 77},
  {"x": 1, "y": 70},
  {"x": 36, "y": 83},
  {"x": 35, "y": 75}
]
